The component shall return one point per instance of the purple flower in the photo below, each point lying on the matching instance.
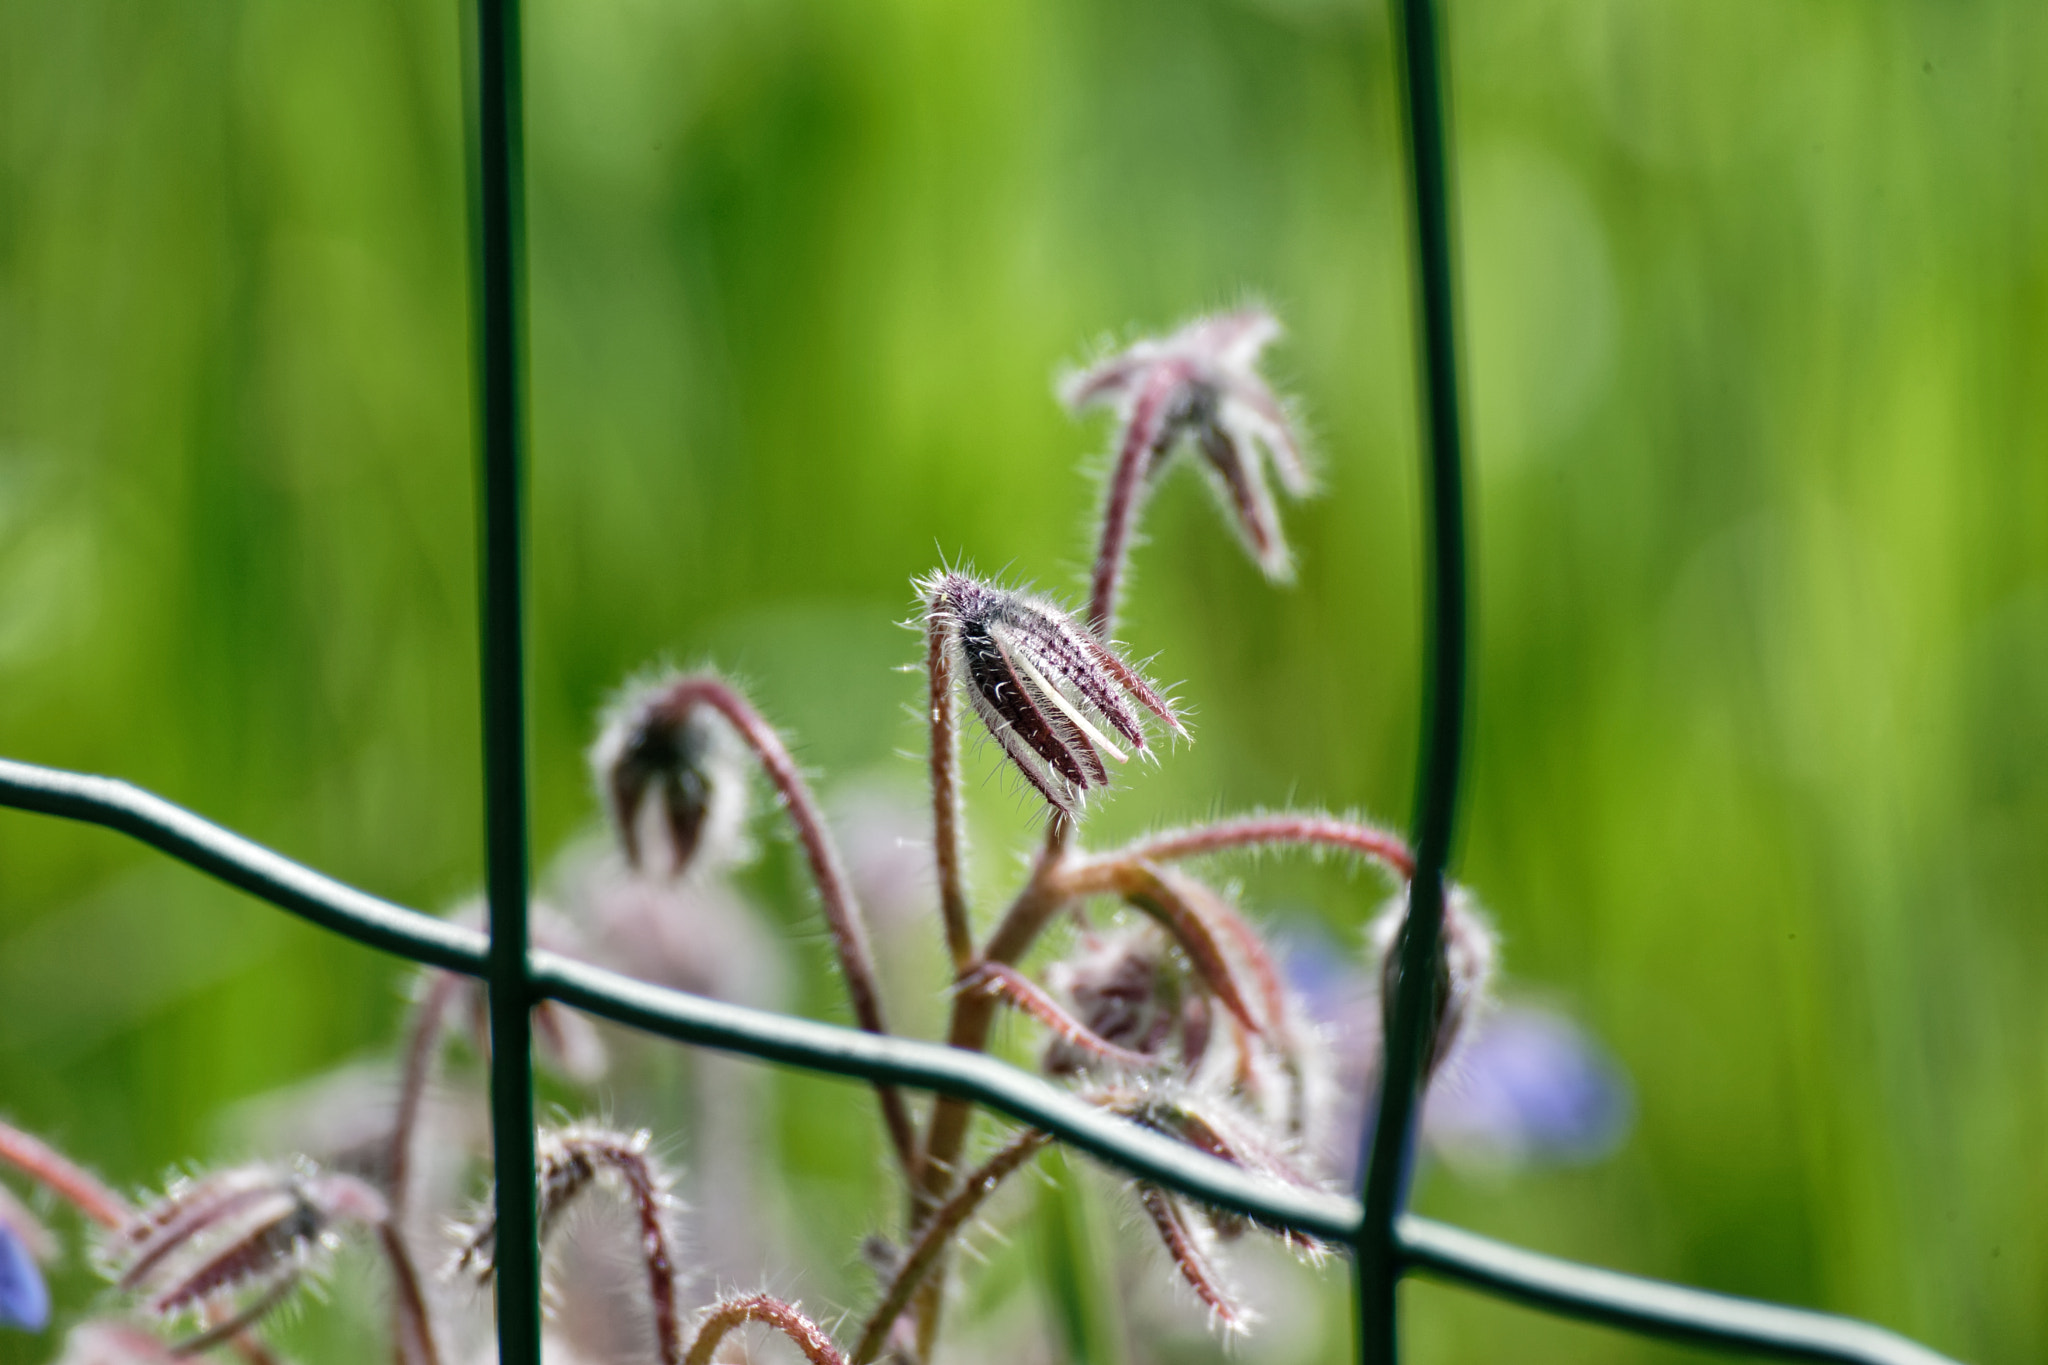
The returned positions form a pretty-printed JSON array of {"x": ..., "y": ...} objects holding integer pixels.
[
  {"x": 1523, "y": 1086},
  {"x": 1530, "y": 1087},
  {"x": 24, "y": 1298}
]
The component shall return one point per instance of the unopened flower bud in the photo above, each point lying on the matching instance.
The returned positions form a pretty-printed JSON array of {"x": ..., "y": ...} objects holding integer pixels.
[
  {"x": 1125, "y": 988},
  {"x": 1045, "y": 687},
  {"x": 258, "y": 1229},
  {"x": 1466, "y": 960},
  {"x": 1201, "y": 387},
  {"x": 675, "y": 772}
]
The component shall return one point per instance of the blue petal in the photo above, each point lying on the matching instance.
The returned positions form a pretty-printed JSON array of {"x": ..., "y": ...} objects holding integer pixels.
[
  {"x": 1530, "y": 1088},
  {"x": 24, "y": 1298}
]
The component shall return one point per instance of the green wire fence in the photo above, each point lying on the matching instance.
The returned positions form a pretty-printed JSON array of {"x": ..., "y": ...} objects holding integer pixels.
[{"x": 1386, "y": 1243}]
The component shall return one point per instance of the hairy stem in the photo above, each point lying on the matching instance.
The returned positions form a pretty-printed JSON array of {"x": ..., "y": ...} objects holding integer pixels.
[
  {"x": 974, "y": 1014},
  {"x": 842, "y": 916},
  {"x": 1126, "y": 492},
  {"x": 722, "y": 1317},
  {"x": 1022, "y": 993},
  {"x": 412, "y": 1326},
  {"x": 945, "y": 781},
  {"x": 1377, "y": 845},
  {"x": 83, "y": 1190},
  {"x": 943, "y": 1226},
  {"x": 421, "y": 1048}
]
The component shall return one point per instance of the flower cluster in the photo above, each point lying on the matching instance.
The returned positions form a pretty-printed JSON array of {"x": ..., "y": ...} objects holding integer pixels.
[{"x": 1151, "y": 991}]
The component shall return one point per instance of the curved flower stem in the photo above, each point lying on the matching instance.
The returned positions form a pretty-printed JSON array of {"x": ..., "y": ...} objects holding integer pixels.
[
  {"x": 413, "y": 1326},
  {"x": 1387, "y": 849},
  {"x": 974, "y": 1012},
  {"x": 784, "y": 1318},
  {"x": 943, "y": 1226},
  {"x": 421, "y": 1049},
  {"x": 945, "y": 780},
  {"x": 79, "y": 1187},
  {"x": 1126, "y": 492},
  {"x": 842, "y": 915},
  {"x": 1010, "y": 985}
]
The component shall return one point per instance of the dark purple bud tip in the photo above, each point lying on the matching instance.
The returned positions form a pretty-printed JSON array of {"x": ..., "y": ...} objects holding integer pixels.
[
  {"x": 1200, "y": 388},
  {"x": 24, "y": 1298},
  {"x": 1048, "y": 690},
  {"x": 671, "y": 776}
]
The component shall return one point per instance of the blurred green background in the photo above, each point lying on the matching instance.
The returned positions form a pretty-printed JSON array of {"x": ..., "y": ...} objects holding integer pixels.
[{"x": 1757, "y": 298}]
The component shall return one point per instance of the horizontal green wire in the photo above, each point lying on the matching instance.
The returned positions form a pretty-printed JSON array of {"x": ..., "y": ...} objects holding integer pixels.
[{"x": 1424, "y": 1247}]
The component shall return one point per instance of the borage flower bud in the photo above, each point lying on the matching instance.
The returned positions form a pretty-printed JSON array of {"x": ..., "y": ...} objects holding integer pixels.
[
  {"x": 258, "y": 1229},
  {"x": 677, "y": 772},
  {"x": 574, "y": 1159},
  {"x": 1201, "y": 386},
  {"x": 1045, "y": 687},
  {"x": 1127, "y": 991},
  {"x": 1466, "y": 962}
]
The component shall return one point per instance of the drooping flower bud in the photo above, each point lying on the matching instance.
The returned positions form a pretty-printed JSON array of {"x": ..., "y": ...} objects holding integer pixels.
[
  {"x": 1466, "y": 963},
  {"x": 1042, "y": 683},
  {"x": 574, "y": 1159},
  {"x": 1200, "y": 387},
  {"x": 677, "y": 773},
  {"x": 1126, "y": 989}
]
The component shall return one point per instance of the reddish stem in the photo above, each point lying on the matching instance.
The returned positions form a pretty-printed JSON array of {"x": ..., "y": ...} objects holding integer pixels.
[
  {"x": 83, "y": 1190},
  {"x": 783, "y": 1317},
  {"x": 945, "y": 780},
  {"x": 421, "y": 1050},
  {"x": 842, "y": 915},
  {"x": 1013, "y": 987},
  {"x": 945, "y": 1224},
  {"x": 1127, "y": 491},
  {"x": 413, "y": 1327},
  {"x": 1255, "y": 831}
]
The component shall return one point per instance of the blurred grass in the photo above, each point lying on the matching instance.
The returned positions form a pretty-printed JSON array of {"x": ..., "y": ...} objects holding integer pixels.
[{"x": 1756, "y": 298}]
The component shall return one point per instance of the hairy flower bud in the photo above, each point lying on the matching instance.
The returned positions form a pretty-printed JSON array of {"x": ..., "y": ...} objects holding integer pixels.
[
  {"x": 676, "y": 772},
  {"x": 1042, "y": 683},
  {"x": 1200, "y": 387},
  {"x": 1126, "y": 989},
  {"x": 258, "y": 1229},
  {"x": 1466, "y": 963}
]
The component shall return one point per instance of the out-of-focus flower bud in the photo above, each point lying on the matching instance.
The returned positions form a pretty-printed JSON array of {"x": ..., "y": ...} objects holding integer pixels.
[
  {"x": 1125, "y": 988},
  {"x": 1469, "y": 954},
  {"x": 574, "y": 1159},
  {"x": 1201, "y": 386},
  {"x": 673, "y": 779},
  {"x": 1045, "y": 687},
  {"x": 254, "y": 1230}
]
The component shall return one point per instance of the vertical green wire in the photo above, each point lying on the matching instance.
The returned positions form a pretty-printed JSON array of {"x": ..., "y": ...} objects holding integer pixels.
[
  {"x": 498, "y": 244},
  {"x": 1410, "y": 1015}
]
